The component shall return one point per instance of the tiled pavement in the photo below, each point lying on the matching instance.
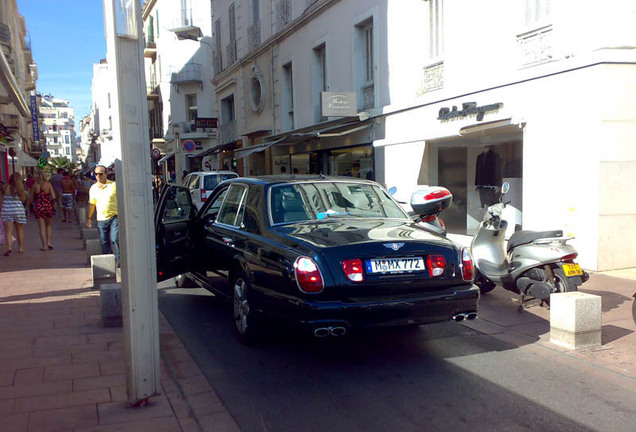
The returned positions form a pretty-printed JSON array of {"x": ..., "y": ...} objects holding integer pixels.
[{"x": 61, "y": 370}]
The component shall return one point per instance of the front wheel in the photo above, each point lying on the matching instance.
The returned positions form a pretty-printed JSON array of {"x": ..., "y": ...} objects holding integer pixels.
[{"x": 243, "y": 314}]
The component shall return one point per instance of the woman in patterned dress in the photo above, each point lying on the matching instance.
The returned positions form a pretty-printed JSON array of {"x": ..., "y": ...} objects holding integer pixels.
[
  {"x": 13, "y": 213},
  {"x": 43, "y": 197}
]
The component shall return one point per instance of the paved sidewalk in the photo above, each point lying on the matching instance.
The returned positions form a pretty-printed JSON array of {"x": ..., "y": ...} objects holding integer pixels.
[
  {"x": 61, "y": 370},
  {"x": 500, "y": 317}
]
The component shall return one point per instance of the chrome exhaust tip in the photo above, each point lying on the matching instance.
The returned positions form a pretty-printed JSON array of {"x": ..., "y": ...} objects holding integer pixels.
[
  {"x": 322, "y": 332},
  {"x": 471, "y": 315},
  {"x": 338, "y": 331},
  {"x": 459, "y": 317}
]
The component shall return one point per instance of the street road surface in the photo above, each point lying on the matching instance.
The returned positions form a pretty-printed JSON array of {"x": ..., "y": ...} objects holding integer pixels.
[{"x": 434, "y": 378}]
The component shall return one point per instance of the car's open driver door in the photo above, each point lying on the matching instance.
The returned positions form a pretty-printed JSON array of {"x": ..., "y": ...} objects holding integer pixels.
[{"x": 174, "y": 214}]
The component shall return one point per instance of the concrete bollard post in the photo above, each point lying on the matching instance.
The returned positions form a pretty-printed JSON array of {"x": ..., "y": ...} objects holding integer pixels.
[
  {"x": 89, "y": 234},
  {"x": 81, "y": 216},
  {"x": 103, "y": 270},
  {"x": 575, "y": 320},
  {"x": 93, "y": 247},
  {"x": 110, "y": 301}
]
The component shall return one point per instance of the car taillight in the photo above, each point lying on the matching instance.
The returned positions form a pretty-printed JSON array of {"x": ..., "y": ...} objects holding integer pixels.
[
  {"x": 204, "y": 195},
  {"x": 308, "y": 276},
  {"x": 570, "y": 257},
  {"x": 353, "y": 269},
  {"x": 436, "y": 265},
  {"x": 468, "y": 267}
]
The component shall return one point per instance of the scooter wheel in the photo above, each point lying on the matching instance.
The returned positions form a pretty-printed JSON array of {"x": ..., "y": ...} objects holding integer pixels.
[{"x": 485, "y": 286}]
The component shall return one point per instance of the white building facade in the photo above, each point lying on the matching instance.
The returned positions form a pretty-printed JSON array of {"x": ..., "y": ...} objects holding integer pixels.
[
  {"x": 58, "y": 121},
  {"x": 548, "y": 99},
  {"x": 178, "y": 53},
  {"x": 99, "y": 136}
]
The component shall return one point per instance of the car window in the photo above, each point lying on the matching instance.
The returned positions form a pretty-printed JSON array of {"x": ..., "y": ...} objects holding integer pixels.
[
  {"x": 212, "y": 210},
  {"x": 231, "y": 212},
  {"x": 212, "y": 180},
  {"x": 322, "y": 200},
  {"x": 251, "y": 212},
  {"x": 194, "y": 182},
  {"x": 178, "y": 205}
]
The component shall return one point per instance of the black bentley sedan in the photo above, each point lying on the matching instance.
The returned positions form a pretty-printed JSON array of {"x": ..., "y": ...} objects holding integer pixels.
[{"x": 326, "y": 254}]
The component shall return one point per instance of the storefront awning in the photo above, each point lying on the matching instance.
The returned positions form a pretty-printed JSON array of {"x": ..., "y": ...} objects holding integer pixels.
[
  {"x": 165, "y": 158},
  {"x": 244, "y": 152},
  {"x": 216, "y": 149},
  {"x": 332, "y": 128},
  {"x": 25, "y": 160}
]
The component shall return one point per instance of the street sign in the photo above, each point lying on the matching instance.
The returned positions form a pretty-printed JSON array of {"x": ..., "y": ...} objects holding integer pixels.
[
  {"x": 189, "y": 145},
  {"x": 207, "y": 164},
  {"x": 156, "y": 153},
  {"x": 206, "y": 122}
]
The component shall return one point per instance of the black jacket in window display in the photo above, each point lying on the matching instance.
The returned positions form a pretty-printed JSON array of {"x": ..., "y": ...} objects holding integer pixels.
[{"x": 488, "y": 172}]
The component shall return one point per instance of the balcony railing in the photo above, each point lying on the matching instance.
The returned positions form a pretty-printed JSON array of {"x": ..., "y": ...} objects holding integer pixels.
[
  {"x": 190, "y": 73},
  {"x": 5, "y": 34}
]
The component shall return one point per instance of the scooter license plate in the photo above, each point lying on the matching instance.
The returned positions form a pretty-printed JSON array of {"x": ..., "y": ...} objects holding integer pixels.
[{"x": 572, "y": 270}]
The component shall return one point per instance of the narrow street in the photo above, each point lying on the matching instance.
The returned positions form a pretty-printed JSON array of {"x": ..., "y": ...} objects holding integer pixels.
[{"x": 440, "y": 377}]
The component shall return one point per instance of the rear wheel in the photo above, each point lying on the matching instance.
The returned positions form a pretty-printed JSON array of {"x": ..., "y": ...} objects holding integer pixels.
[
  {"x": 243, "y": 314},
  {"x": 561, "y": 283}
]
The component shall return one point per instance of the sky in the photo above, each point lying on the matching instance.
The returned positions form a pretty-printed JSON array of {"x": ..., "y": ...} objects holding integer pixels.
[{"x": 67, "y": 38}]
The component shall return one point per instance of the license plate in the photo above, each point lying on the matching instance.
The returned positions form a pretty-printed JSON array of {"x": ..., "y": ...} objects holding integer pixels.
[
  {"x": 572, "y": 270},
  {"x": 395, "y": 265}
]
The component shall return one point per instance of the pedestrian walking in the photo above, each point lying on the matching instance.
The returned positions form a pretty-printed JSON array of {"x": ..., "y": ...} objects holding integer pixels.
[
  {"x": 13, "y": 213},
  {"x": 68, "y": 192},
  {"x": 103, "y": 200},
  {"x": 43, "y": 209},
  {"x": 56, "y": 182}
]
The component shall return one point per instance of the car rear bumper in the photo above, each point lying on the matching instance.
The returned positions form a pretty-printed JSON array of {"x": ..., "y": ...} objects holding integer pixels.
[{"x": 382, "y": 312}]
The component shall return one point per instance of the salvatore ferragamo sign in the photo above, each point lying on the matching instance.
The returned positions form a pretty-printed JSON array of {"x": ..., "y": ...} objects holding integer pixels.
[{"x": 468, "y": 109}]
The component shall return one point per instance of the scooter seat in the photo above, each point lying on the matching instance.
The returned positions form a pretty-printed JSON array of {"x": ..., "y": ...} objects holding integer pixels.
[{"x": 525, "y": 237}]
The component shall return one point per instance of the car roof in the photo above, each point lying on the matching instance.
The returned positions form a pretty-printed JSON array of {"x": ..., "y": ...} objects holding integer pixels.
[
  {"x": 299, "y": 178},
  {"x": 213, "y": 172}
]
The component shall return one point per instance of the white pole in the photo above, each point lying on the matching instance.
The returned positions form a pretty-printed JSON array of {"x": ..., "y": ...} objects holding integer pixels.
[{"x": 123, "y": 26}]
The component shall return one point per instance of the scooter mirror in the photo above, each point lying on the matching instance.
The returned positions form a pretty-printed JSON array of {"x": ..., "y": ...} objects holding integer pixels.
[{"x": 505, "y": 187}]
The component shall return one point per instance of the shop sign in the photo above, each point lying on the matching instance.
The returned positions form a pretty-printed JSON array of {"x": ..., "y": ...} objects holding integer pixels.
[
  {"x": 34, "y": 118},
  {"x": 338, "y": 104},
  {"x": 468, "y": 109},
  {"x": 206, "y": 122}
]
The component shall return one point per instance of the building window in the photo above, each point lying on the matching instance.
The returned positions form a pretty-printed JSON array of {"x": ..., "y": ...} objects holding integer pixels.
[
  {"x": 191, "y": 107},
  {"x": 435, "y": 20},
  {"x": 365, "y": 64},
  {"x": 218, "y": 63},
  {"x": 186, "y": 13},
  {"x": 227, "y": 110},
  {"x": 67, "y": 139},
  {"x": 231, "y": 47},
  {"x": 288, "y": 97},
  {"x": 319, "y": 78},
  {"x": 538, "y": 12},
  {"x": 108, "y": 100}
]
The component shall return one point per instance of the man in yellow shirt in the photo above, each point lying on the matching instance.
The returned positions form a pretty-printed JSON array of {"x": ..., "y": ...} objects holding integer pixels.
[{"x": 102, "y": 196}]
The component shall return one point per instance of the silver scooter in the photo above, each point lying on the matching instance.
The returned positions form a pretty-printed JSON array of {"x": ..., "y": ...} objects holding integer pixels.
[{"x": 533, "y": 264}]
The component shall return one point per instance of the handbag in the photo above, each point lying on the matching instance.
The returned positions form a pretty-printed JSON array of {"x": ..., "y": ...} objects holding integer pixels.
[{"x": 2, "y": 236}]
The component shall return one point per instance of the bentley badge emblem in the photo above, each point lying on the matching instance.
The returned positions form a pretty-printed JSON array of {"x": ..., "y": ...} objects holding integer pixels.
[{"x": 393, "y": 246}]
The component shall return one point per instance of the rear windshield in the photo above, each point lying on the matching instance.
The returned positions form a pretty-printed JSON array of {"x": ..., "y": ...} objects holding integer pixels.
[
  {"x": 212, "y": 180},
  {"x": 326, "y": 200}
]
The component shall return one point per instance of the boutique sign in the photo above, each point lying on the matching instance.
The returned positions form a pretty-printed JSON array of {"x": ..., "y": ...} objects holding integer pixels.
[
  {"x": 338, "y": 104},
  {"x": 468, "y": 109}
]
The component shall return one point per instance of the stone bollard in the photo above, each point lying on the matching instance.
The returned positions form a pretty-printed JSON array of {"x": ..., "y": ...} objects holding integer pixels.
[
  {"x": 103, "y": 270},
  {"x": 575, "y": 320},
  {"x": 81, "y": 216},
  {"x": 89, "y": 234},
  {"x": 110, "y": 301},
  {"x": 93, "y": 247}
]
